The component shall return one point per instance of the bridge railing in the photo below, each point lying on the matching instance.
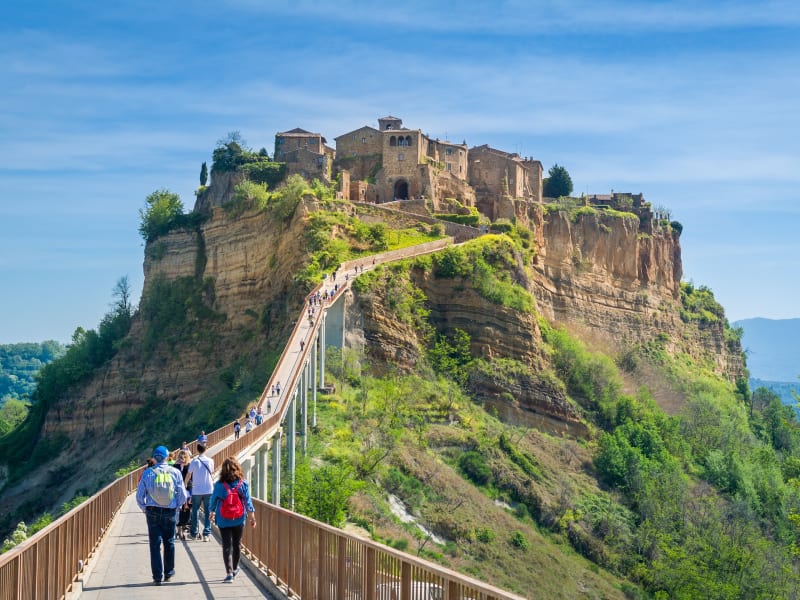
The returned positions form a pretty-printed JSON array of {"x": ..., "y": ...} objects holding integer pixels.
[
  {"x": 309, "y": 559},
  {"x": 46, "y": 564}
]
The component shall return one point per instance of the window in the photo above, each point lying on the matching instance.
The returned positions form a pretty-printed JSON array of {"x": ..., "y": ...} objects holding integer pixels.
[
  {"x": 310, "y": 141},
  {"x": 393, "y": 141},
  {"x": 449, "y": 167},
  {"x": 449, "y": 151},
  {"x": 401, "y": 156},
  {"x": 408, "y": 140},
  {"x": 363, "y": 140}
]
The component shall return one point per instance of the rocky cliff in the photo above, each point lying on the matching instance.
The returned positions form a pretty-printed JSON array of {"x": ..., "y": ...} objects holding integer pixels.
[{"x": 599, "y": 275}]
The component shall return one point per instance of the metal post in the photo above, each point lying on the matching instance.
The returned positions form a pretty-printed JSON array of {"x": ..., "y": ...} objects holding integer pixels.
[
  {"x": 291, "y": 434},
  {"x": 304, "y": 409},
  {"x": 276, "y": 469},
  {"x": 314, "y": 385},
  {"x": 322, "y": 349}
]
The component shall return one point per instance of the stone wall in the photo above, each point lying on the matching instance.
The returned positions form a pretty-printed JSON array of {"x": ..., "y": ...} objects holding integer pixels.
[{"x": 361, "y": 142}]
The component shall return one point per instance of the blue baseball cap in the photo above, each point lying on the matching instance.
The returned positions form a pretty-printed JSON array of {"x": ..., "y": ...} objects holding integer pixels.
[{"x": 160, "y": 453}]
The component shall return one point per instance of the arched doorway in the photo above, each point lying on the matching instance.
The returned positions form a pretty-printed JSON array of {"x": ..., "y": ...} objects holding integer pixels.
[{"x": 401, "y": 190}]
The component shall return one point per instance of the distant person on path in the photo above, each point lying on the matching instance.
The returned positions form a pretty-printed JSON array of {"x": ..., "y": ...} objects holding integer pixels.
[
  {"x": 252, "y": 413},
  {"x": 182, "y": 464},
  {"x": 259, "y": 417},
  {"x": 236, "y": 429},
  {"x": 231, "y": 527},
  {"x": 160, "y": 494},
  {"x": 202, "y": 439},
  {"x": 200, "y": 475},
  {"x": 248, "y": 425}
]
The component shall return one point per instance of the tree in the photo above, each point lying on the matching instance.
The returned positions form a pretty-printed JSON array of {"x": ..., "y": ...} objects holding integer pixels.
[
  {"x": 122, "y": 297},
  {"x": 163, "y": 207},
  {"x": 204, "y": 174},
  {"x": 558, "y": 184}
]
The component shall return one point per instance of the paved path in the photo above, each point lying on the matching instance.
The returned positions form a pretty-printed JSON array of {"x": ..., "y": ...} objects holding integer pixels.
[{"x": 121, "y": 568}]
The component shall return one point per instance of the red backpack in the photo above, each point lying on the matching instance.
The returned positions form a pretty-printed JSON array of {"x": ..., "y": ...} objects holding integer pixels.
[{"x": 232, "y": 507}]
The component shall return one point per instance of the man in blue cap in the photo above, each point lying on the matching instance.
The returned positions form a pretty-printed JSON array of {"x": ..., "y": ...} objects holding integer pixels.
[{"x": 160, "y": 494}]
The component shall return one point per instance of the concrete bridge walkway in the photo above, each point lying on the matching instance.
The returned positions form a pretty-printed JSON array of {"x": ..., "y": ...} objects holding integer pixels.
[{"x": 121, "y": 570}]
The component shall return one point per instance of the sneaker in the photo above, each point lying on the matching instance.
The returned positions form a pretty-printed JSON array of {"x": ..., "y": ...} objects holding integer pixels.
[
  {"x": 156, "y": 582},
  {"x": 228, "y": 578},
  {"x": 197, "y": 537},
  {"x": 206, "y": 538},
  {"x": 169, "y": 576},
  {"x": 236, "y": 571}
]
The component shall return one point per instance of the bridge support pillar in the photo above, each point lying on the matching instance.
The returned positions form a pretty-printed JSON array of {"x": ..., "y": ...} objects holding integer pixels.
[
  {"x": 276, "y": 469},
  {"x": 314, "y": 383},
  {"x": 291, "y": 434},
  {"x": 260, "y": 487},
  {"x": 304, "y": 408},
  {"x": 322, "y": 349}
]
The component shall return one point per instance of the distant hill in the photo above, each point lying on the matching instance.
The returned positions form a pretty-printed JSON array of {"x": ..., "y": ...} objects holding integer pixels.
[
  {"x": 781, "y": 388},
  {"x": 772, "y": 347},
  {"x": 19, "y": 364}
]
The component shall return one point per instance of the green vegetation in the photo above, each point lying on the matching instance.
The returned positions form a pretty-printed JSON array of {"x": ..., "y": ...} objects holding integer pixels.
[
  {"x": 558, "y": 184},
  {"x": 164, "y": 213},
  {"x": 490, "y": 263},
  {"x": 699, "y": 304},
  {"x": 231, "y": 154},
  {"x": 19, "y": 364},
  {"x": 473, "y": 219},
  {"x": 334, "y": 237},
  {"x": 173, "y": 309}
]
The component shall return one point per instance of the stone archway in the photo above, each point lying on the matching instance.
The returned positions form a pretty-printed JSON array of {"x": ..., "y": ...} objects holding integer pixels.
[{"x": 401, "y": 190}]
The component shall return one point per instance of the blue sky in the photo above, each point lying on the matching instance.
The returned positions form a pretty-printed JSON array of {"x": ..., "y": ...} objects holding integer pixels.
[{"x": 692, "y": 103}]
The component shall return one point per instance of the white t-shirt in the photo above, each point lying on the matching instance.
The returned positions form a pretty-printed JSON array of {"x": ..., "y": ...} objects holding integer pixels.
[{"x": 201, "y": 469}]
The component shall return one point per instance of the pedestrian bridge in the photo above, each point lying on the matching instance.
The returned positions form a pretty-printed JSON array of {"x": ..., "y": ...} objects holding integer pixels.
[{"x": 99, "y": 549}]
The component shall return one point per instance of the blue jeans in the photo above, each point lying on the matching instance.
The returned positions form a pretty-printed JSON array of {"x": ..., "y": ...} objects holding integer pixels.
[
  {"x": 161, "y": 527},
  {"x": 197, "y": 500}
]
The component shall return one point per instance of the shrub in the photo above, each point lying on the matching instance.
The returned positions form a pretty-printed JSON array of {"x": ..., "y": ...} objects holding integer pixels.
[
  {"x": 475, "y": 467},
  {"x": 518, "y": 540},
  {"x": 485, "y": 535}
]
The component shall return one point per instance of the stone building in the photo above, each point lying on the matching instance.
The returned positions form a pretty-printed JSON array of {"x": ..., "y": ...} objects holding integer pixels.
[
  {"x": 304, "y": 153},
  {"x": 398, "y": 163},
  {"x": 497, "y": 176}
]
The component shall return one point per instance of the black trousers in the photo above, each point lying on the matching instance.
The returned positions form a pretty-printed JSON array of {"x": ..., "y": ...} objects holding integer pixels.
[{"x": 231, "y": 546}]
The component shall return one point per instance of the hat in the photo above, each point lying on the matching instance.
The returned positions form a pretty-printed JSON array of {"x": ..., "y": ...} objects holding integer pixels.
[{"x": 160, "y": 453}]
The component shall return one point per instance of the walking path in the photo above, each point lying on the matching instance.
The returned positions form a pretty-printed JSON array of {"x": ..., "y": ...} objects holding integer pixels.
[{"x": 121, "y": 570}]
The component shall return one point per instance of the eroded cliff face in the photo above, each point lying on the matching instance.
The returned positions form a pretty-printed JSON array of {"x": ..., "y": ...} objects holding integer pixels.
[
  {"x": 245, "y": 267},
  {"x": 617, "y": 284},
  {"x": 600, "y": 276}
]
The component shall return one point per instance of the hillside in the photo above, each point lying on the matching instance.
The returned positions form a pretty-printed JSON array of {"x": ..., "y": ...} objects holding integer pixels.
[{"x": 549, "y": 400}]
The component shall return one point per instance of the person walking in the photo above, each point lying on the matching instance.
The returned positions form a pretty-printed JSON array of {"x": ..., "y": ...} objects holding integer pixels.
[
  {"x": 231, "y": 513},
  {"x": 160, "y": 494},
  {"x": 185, "y": 511},
  {"x": 202, "y": 439},
  {"x": 237, "y": 427},
  {"x": 200, "y": 475}
]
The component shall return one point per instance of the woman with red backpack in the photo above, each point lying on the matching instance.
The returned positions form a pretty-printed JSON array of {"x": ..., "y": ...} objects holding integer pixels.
[{"x": 230, "y": 504}]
